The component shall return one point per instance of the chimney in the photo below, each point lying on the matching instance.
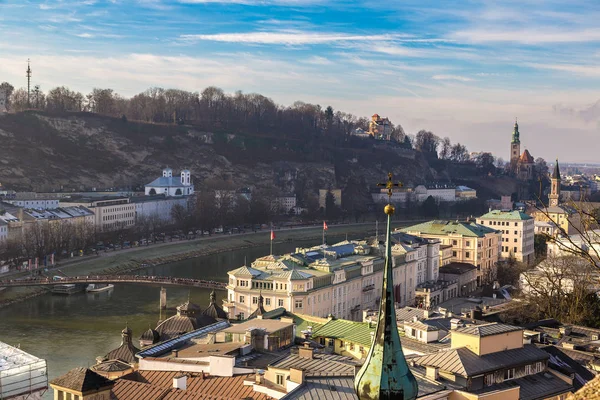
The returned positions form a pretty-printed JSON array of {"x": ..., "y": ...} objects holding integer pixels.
[
  {"x": 297, "y": 375},
  {"x": 259, "y": 377},
  {"x": 415, "y": 318},
  {"x": 306, "y": 351},
  {"x": 426, "y": 314},
  {"x": 180, "y": 382},
  {"x": 432, "y": 373},
  {"x": 176, "y": 353}
]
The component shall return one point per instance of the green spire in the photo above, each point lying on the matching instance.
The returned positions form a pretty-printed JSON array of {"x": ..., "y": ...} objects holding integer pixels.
[
  {"x": 385, "y": 373},
  {"x": 515, "y": 134}
]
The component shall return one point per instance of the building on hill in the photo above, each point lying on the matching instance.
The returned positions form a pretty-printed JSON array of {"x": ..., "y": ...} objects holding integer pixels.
[
  {"x": 522, "y": 164},
  {"x": 110, "y": 213},
  {"x": 156, "y": 207},
  {"x": 471, "y": 243},
  {"x": 380, "y": 128},
  {"x": 518, "y": 231},
  {"x": 169, "y": 185}
]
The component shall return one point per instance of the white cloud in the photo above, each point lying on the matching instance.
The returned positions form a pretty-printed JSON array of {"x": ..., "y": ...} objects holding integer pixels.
[
  {"x": 582, "y": 70},
  {"x": 294, "y": 3},
  {"x": 451, "y": 78},
  {"x": 287, "y": 37},
  {"x": 527, "y": 36},
  {"x": 85, "y": 35},
  {"x": 318, "y": 60}
]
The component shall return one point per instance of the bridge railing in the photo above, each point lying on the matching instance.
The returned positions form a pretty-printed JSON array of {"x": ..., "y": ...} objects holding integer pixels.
[{"x": 115, "y": 278}]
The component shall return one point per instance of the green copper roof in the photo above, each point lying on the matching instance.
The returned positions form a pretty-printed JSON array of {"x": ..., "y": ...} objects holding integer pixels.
[
  {"x": 350, "y": 331},
  {"x": 442, "y": 228},
  {"x": 385, "y": 375},
  {"x": 515, "y": 134},
  {"x": 506, "y": 215}
]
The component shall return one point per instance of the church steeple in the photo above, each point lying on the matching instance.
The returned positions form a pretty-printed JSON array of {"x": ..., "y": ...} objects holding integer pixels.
[
  {"x": 385, "y": 375},
  {"x": 554, "y": 196},
  {"x": 515, "y": 144}
]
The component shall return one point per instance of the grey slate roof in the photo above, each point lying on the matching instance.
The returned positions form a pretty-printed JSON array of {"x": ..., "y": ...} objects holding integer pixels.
[
  {"x": 319, "y": 365},
  {"x": 533, "y": 387},
  {"x": 464, "y": 362},
  {"x": 245, "y": 271},
  {"x": 488, "y": 329}
]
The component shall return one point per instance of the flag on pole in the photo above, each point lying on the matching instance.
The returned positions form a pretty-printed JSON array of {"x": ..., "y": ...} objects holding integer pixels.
[
  {"x": 272, "y": 235},
  {"x": 324, "y": 225}
]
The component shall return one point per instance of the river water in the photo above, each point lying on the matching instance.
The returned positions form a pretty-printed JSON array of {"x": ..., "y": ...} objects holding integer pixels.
[{"x": 71, "y": 331}]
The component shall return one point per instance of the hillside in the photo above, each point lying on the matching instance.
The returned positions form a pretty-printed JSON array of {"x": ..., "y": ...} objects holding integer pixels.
[{"x": 43, "y": 152}]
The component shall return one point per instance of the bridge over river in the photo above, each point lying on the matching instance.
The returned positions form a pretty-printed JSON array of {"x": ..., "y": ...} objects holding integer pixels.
[{"x": 135, "y": 279}]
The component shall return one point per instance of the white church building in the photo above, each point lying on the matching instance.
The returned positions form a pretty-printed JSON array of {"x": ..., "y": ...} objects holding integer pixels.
[{"x": 169, "y": 185}]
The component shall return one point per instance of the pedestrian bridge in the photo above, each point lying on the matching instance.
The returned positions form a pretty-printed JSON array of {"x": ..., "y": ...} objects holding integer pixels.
[{"x": 114, "y": 279}]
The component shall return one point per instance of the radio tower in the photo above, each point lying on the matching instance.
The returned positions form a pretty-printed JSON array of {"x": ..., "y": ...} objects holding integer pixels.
[{"x": 28, "y": 84}]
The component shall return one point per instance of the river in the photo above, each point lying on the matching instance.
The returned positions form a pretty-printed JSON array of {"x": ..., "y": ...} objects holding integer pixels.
[{"x": 72, "y": 331}]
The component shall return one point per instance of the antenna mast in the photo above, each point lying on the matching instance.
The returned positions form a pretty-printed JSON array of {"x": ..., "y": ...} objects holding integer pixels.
[{"x": 28, "y": 84}]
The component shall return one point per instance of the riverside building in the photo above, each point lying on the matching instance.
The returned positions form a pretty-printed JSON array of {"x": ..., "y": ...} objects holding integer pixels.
[{"x": 341, "y": 280}]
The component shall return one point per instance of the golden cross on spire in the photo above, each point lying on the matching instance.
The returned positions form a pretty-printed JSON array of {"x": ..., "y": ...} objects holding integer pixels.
[{"x": 390, "y": 185}]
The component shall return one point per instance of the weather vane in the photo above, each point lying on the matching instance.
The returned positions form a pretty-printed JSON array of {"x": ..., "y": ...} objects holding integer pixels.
[{"x": 390, "y": 185}]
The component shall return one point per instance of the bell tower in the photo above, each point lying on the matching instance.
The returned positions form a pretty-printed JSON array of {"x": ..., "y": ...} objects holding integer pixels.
[
  {"x": 515, "y": 144},
  {"x": 554, "y": 196}
]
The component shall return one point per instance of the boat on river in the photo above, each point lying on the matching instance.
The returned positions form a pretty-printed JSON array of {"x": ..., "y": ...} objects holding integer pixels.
[
  {"x": 98, "y": 287},
  {"x": 67, "y": 289}
]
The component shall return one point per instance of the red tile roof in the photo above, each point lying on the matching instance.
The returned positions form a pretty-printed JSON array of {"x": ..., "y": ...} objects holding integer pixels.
[{"x": 526, "y": 158}]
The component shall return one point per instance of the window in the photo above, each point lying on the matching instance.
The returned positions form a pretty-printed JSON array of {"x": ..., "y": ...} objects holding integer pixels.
[
  {"x": 515, "y": 240},
  {"x": 515, "y": 249},
  {"x": 454, "y": 243},
  {"x": 280, "y": 379},
  {"x": 516, "y": 224},
  {"x": 454, "y": 254},
  {"x": 515, "y": 232},
  {"x": 467, "y": 254},
  {"x": 468, "y": 244},
  {"x": 298, "y": 304},
  {"x": 254, "y": 300},
  {"x": 242, "y": 299},
  {"x": 509, "y": 374},
  {"x": 280, "y": 302},
  {"x": 329, "y": 342}
]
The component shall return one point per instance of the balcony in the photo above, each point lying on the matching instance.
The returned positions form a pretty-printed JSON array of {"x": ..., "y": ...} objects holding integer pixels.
[
  {"x": 228, "y": 303},
  {"x": 368, "y": 287}
]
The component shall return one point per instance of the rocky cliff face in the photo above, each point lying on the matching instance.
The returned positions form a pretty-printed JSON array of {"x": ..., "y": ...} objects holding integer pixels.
[{"x": 45, "y": 152}]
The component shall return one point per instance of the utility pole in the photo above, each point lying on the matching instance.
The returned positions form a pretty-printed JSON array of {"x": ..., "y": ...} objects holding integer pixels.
[{"x": 28, "y": 84}]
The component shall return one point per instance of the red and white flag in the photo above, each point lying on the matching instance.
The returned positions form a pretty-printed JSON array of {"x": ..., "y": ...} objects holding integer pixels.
[
  {"x": 324, "y": 225},
  {"x": 272, "y": 235}
]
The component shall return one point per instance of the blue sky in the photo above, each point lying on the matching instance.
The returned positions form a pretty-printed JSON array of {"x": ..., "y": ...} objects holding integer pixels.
[{"x": 462, "y": 70}]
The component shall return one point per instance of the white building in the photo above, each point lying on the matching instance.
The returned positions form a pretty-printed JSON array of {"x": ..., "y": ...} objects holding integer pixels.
[
  {"x": 341, "y": 280},
  {"x": 157, "y": 207},
  {"x": 22, "y": 375},
  {"x": 588, "y": 241},
  {"x": 518, "y": 230},
  {"x": 439, "y": 191},
  {"x": 171, "y": 186},
  {"x": 109, "y": 214},
  {"x": 39, "y": 204},
  {"x": 284, "y": 204}
]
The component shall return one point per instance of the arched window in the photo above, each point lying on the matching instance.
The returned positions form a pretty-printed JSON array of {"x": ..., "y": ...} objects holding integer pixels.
[
  {"x": 178, "y": 192},
  {"x": 152, "y": 192}
]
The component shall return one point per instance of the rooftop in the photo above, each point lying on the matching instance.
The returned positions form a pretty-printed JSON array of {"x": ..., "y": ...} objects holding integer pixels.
[
  {"x": 319, "y": 365},
  {"x": 442, "y": 228},
  {"x": 514, "y": 215},
  {"x": 457, "y": 268},
  {"x": 464, "y": 362},
  {"x": 269, "y": 325},
  {"x": 532, "y": 387},
  {"x": 82, "y": 380},
  {"x": 488, "y": 329},
  {"x": 356, "y": 332}
]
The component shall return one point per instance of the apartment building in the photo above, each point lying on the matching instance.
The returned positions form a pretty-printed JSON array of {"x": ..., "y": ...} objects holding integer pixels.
[
  {"x": 110, "y": 213},
  {"x": 518, "y": 230},
  {"x": 471, "y": 243},
  {"x": 40, "y": 204}
]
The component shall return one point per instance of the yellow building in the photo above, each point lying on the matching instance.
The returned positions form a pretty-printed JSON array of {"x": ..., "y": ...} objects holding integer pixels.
[{"x": 471, "y": 243}]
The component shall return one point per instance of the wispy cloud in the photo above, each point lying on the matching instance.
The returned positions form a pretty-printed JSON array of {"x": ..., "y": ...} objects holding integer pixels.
[
  {"x": 527, "y": 36},
  {"x": 318, "y": 60},
  {"x": 287, "y": 37},
  {"x": 451, "y": 78},
  {"x": 291, "y": 3},
  {"x": 582, "y": 70}
]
